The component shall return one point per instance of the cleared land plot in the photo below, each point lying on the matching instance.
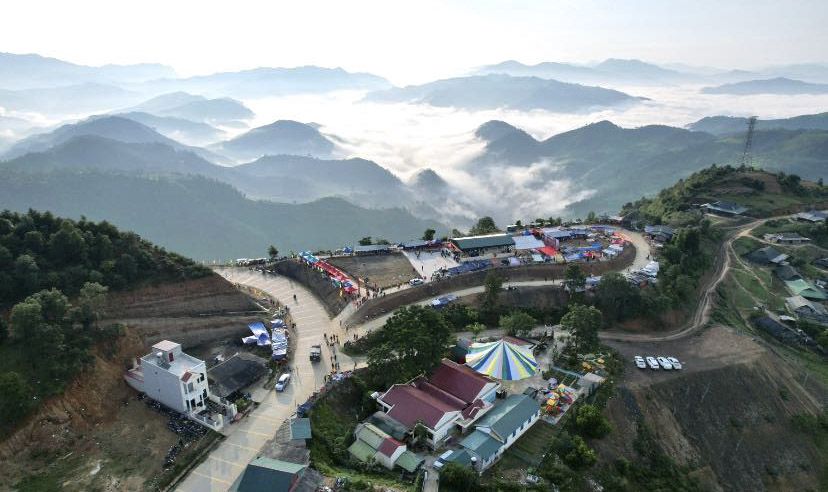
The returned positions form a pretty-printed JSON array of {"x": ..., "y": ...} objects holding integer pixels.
[{"x": 383, "y": 270}]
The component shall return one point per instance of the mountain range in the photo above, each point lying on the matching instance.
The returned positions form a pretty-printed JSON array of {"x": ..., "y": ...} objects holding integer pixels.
[
  {"x": 504, "y": 91},
  {"x": 725, "y": 125},
  {"x": 609, "y": 71},
  {"x": 779, "y": 85},
  {"x": 271, "y": 82},
  {"x": 195, "y": 108},
  {"x": 34, "y": 71},
  {"x": 200, "y": 217},
  {"x": 623, "y": 164},
  {"x": 116, "y": 128}
]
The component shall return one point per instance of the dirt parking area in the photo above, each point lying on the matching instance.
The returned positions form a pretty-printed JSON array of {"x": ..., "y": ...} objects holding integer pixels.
[
  {"x": 709, "y": 349},
  {"x": 383, "y": 270}
]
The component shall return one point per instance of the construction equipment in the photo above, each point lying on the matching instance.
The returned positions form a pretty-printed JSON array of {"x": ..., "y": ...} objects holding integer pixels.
[{"x": 316, "y": 353}]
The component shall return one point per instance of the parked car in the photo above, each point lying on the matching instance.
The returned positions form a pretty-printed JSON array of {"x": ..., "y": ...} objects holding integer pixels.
[
  {"x": 665, "y": 364},
  {"x": 652, "y": 362},
  {"x": 415, "y": 281},
  {"x": 442, "y": 460},
  {"x": 675, "y": 362},
  {"x": 639, "y": 362},
  {"x": 283, "y": 381}
]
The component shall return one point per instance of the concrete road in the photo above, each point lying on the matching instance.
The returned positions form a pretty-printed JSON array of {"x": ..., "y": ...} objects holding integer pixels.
[{"x": 245, "y": 440}]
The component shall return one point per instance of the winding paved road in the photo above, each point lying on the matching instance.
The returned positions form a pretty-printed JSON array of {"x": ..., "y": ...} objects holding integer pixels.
[{"x": 226, "y": 462}]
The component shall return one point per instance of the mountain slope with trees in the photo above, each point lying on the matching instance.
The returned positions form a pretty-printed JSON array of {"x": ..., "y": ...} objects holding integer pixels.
[{"x": 201, "y": 217}]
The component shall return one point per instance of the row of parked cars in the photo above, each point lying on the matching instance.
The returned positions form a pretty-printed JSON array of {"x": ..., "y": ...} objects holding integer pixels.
[{"x": 654, "y": 363}]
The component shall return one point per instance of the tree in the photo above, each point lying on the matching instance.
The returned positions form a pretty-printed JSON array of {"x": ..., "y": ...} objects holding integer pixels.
[
  {"x": 366, "y": 241},
  {"x": 16, "y": 399},
  {"x": 27, "y": 273},
  {"x": 383, "y": 241},
  {"x": 476, "y": 329},
  {"x": 459, "y": 478},
  {"x": 428, "y": 235},
  {"x": 591, "y": 217},
  {"x": 580, "y": 457},
  {"x": 4, "y": 330},
  {"x": 486, "y": 225},
  {"x": 519, "y": 224},
  {"x": 459, "y": 316},
  {"x": 574, "y": 279},
  {"x": 420, "y": 433},
  {"x": 591, "y": 422},
  {"x": 616, "y": 298},
  {"x": 493, "y": 285},
  {"x": 91, "y": 303},
  {"x": 540, "y": 222},
  {"x": 518, "y": 323},
  {"x": 272, "y": 252},
  {"x": 583, "y": 323},
  {"x": 415, "y": 339},
  {"x": 26, "y": 318}
]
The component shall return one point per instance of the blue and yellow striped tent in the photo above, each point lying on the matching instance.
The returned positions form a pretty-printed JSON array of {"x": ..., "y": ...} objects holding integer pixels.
[{"x": 502, "y": 360}]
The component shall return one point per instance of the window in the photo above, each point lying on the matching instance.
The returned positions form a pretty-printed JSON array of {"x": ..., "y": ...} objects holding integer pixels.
[
  {"x": 189, "y": 387},
  {"x": 171, "y": 357},
  {"x": 201, "y": 377}
]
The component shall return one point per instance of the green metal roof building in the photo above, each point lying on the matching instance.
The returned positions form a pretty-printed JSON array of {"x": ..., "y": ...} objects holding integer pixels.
[{"x": 268, "y": 475}]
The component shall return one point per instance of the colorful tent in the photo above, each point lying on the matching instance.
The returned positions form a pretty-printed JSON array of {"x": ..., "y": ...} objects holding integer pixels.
[{"x": 502, "y": 360}]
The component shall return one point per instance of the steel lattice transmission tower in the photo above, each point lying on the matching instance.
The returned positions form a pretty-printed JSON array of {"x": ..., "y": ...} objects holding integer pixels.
[{"x": 747, "y": 154}]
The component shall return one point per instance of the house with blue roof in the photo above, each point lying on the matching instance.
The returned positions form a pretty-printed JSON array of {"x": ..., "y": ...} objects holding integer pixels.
[{"x": 497, "y": 431}]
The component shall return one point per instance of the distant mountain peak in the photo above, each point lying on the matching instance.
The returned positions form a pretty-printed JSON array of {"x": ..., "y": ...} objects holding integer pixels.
[
  {"x": 428, "y": 179},
  {"x": 495, "y": 130}
]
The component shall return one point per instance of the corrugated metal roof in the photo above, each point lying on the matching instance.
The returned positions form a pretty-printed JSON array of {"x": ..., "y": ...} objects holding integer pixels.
[
  {"x": 481, "y": 444},
  {"x": 488, "y": 241},
  {"x": 408, "y": 461},
  {"x": 362, "y": 451},
  {"x": 267, "y": 474},
  {"x": 371, "y": 434},
  {"x": 509, "y": 415},
  {"x": 300, "y": 429}
]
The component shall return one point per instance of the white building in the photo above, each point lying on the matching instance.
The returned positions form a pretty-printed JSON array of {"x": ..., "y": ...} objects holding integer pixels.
[
  {"x": 175, "y": 379},
  {"x": 496, "y": 432}
]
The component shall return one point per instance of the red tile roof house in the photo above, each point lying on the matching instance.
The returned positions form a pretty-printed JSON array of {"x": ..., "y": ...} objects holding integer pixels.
[{"x": 454, "y": 395}]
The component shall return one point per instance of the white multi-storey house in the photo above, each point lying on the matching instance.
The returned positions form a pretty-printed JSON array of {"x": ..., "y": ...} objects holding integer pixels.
[{"x": 173, "y": 378}]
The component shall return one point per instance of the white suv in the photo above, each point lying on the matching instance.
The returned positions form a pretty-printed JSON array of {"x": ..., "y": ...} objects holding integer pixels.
[
  {"x": 652, "y": 363},
  {"x": 665, "y": 364},
  {"x": 675, "y": 362}
]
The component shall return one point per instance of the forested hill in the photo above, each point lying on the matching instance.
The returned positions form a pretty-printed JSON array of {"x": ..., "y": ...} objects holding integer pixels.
[
  {"x": 44, "y": 262},
  {"x": 40, "y": 251}
]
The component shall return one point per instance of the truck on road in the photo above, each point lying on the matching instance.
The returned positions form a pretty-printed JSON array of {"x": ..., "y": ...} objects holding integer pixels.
[{"x": 316, "y": 353}]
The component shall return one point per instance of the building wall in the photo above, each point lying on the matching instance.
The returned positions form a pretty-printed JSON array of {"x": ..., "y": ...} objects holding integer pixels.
[
  {"x": 164, "y": 387},
  {"x": 484, "y": 464}
]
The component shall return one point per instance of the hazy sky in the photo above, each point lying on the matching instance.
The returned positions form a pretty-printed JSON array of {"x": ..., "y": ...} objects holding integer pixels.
[{"x": 418, "y": 40}]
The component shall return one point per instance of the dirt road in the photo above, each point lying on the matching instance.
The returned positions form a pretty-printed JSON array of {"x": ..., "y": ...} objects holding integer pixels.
[{"x": 705, "y": 303}]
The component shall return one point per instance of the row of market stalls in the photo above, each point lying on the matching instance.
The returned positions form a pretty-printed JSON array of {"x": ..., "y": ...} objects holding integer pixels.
[
  {"x": 276, "y": 338},
  {"x": 337, "y": 276}
]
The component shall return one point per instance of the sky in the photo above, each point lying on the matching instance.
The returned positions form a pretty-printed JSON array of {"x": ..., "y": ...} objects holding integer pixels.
[{"x": 416, "y": 41}]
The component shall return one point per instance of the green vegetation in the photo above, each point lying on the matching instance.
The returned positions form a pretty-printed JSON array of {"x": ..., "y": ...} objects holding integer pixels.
[
  {"x": 518, "y": 323},
  {"x": 674, "y": 205},
  {"x": 583, "y": 323},
  {"x": 412, "y": 342},
  {"x": 40, "y": 251},
  {"x": 486, "y": 225},
  {"x": 591, "y": 423},
  {"x": 45, "y": 261}
]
